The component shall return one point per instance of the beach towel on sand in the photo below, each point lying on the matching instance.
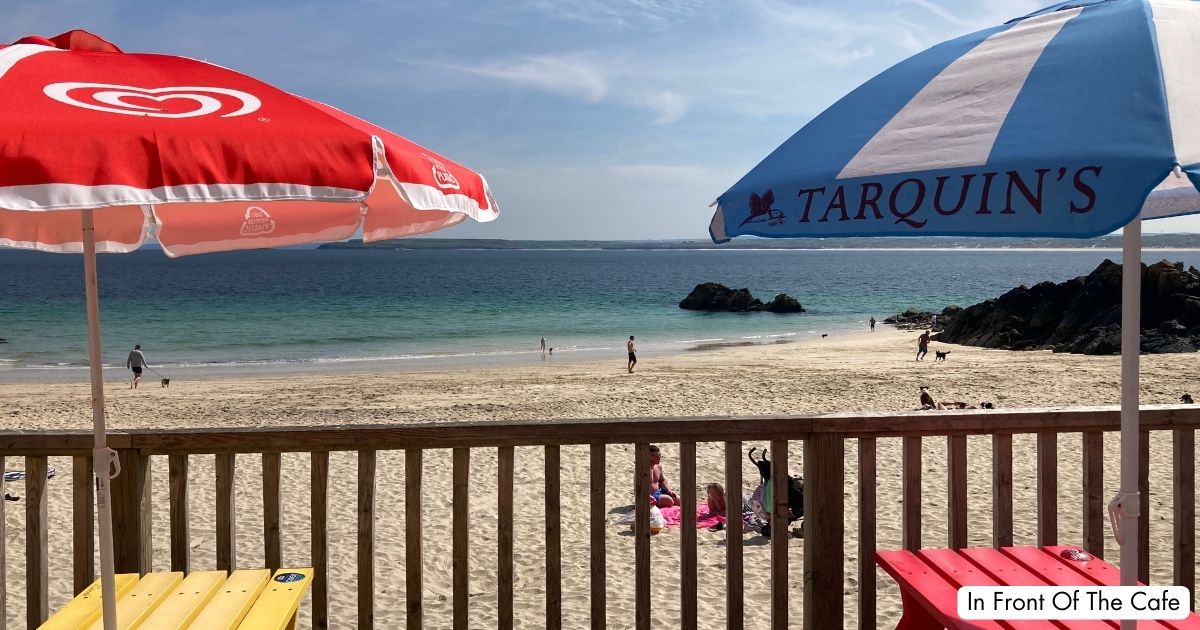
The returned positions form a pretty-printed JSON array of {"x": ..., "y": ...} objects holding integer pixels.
[{"x": 673, "y": 516}]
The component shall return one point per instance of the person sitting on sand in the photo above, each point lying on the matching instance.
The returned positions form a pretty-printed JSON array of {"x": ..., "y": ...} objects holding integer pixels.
[
  {"x": 659, "y": 492},
  {"x": 927, "y": 402},
  {"x": 716, "y": 499}
]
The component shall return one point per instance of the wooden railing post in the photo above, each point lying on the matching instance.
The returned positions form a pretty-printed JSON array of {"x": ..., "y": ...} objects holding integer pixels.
[
  {"x": 319, "y": 489},
  {"x": 37, "y": 568},
  {"x": 366, "y": 540},
  {"x": 226, "y": 468},
  {"x": 460, "y": 541},
  {"x": 1183, "y": 488},
  {"x": 553, "y": 531},
  {"x": 1002, "y": 490},
  {"x": 689, "y": 616},
  {"x": 956, "y": 491},
  {"x": 866, "y": 533},
  {"x": 1093, "y": 493},
  {"x": 910, "y": 523},
  {"x": 3, "y": 554},
  {"x": 413, "y": 561},
  {"x": 599, "y": 586},
  {"x": 780, "y": 535},
  {"x": 272, "y": 469},
  {"x": 504, "y": 537},
  {"x": 177, "y": 479},
  {"x": 734, "y": 597},
  {"x": 83, "y": 524},
  {"x": 641, "y": 535},
  {"x": 131, "y": 513},
  {"x": 1047, "y": 488},
  {"x": 824, "y": 529}
]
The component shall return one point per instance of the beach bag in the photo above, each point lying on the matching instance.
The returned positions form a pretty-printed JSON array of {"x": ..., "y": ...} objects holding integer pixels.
[{"x": 657, "y": 522}]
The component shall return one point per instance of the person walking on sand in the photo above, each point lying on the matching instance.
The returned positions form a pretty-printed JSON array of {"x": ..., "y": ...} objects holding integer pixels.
[
  {"x": 136, "y": 362},
  {"x": 543, "y": 346},
  {"x": 922, "y": 345},
  {"x": 632, "y": 353},
  {"x": 872, "y": 324}
]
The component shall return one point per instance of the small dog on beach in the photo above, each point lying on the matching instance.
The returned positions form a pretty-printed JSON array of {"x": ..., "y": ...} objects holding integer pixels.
[
  {"x": 166, "y": 382},
  {"x": 986, "y": 405},
  {"x": 824, "y": 336},
  {"x": 938, "y": 355},
  {"x": 1186, "y": 399}
]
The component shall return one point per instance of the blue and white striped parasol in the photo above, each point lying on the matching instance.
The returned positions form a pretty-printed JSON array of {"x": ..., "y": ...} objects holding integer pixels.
[{"x": 1073, "y": 121}]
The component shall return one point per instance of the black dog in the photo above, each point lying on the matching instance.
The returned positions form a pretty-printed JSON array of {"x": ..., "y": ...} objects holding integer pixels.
[
  {"x": 1186, "y": 399},
  {"x": 986, "y": 405},
  {"x": 938, "y": 355},
  {"x": 824, "y": 336},
  {"x": 166, "y": 382},
  {"x": 795, "y": 489}
]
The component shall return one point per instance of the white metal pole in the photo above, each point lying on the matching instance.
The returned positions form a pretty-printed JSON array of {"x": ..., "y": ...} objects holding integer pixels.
[
  {"x": 1128, "y": 502},
  {"x": 103, "y": 458}
]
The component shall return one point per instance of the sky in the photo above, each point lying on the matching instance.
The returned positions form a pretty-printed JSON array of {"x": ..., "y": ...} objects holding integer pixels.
[{"x": 590, "y": 119}]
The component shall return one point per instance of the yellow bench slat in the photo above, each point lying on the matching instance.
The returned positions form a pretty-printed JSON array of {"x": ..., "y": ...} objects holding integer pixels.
[
  {"x": 185, "y": 601},
  {"x": 233, "y": 600},
  {"x": 141, "y": 600},
  {"x": 86, "y": 607},
  {"x": 276, "y": 607}
]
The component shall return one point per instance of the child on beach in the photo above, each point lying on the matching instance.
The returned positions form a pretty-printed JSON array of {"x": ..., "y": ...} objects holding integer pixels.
[{"x": 716, "y": 499}]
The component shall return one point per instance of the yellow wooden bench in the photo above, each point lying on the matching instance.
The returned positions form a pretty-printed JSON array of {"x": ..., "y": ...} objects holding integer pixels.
[{"x": 250, "y": 599}]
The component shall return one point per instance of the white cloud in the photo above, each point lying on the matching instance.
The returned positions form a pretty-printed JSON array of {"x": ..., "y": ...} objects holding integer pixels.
[{"x": 562, "y": 75}]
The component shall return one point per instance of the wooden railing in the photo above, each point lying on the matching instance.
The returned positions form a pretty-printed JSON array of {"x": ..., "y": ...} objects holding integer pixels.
[{"x": 825, "y": 443}]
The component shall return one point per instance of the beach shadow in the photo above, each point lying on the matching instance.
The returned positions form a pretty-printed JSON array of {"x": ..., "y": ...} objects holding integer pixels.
[
  {"x": 757, "y": 540},
  {"x": 621, "y": 509}
]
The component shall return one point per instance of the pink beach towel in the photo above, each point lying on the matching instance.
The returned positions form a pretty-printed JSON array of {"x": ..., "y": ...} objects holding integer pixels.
[{"x": 673, "y": 516}]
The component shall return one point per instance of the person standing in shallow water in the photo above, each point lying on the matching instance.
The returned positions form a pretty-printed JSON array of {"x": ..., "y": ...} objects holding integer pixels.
[
  {"x": 136, "y": 362},
  {"x": 543, "y": 346},
  {"x": 632, "y": 353},
  {"x": 872, "y": 324}
]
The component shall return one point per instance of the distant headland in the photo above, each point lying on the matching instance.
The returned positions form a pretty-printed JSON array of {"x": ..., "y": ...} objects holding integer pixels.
[{"x": 1149, "y": 241}]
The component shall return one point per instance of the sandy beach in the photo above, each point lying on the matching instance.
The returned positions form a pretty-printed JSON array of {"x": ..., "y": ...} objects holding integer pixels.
[{"x": 863, "y": 372}]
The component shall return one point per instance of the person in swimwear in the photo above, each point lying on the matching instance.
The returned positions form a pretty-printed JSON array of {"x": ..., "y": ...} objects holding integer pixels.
[{"x": 659, "y": 491}]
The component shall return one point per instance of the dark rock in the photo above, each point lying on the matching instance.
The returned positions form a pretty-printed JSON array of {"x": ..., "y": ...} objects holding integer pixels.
[
  {"x": 713, "y": 296},
  {"x": 784, "y": 303},
  {"x": 1083, "y": 315},
  {"x": 912, "y": 319}
]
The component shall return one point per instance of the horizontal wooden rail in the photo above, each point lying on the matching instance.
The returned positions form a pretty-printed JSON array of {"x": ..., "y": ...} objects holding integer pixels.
[
  {"x": 601, "y": 431},
  {"x": 824, "y": 439}
]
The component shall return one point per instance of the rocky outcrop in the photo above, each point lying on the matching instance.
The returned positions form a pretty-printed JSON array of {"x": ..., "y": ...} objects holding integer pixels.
[
  {"x": 912, "y": 319},
  {"x": 1083, "y": 315},
  {"x": 713, "y": 296}
]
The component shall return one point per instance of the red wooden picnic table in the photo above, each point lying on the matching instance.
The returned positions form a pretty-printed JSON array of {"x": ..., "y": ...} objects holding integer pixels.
[{"x": 929, "y": 580}]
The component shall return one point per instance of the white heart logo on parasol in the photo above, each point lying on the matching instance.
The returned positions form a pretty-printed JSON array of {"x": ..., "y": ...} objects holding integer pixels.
[{"x": 103, "y": 97}]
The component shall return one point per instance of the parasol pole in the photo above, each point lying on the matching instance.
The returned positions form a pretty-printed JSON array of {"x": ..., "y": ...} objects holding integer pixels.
[
  {"x": 104, "y": 459},
  {"x": 1125, "y": 508}
]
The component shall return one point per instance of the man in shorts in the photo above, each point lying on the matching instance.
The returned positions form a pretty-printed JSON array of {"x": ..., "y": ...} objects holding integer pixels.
[
  {"x": 136, "y": 362},
  {"x": 922, "y": 345},
  {"x": 632, "y": 353},
  {"x": 661, "y": 494}
]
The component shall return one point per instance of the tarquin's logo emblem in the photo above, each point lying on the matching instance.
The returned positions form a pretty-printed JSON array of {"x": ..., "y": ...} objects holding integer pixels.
[
  {"x": 761, "y": 210},
  {"x": 442, "y": 175},
  {"x": 257, "y": 222},
  {"x": 164, "y": 102}
]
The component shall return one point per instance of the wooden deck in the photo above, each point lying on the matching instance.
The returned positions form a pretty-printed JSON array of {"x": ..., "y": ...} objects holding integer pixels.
[{"x": 826, "y": 439}]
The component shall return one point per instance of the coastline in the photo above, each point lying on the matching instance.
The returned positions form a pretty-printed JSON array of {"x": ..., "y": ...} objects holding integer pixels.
[{"x": 859, "y": 372}]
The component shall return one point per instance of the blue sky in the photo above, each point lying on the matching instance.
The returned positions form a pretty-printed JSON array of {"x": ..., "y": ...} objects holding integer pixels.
[{"x": 596, "y": 119}]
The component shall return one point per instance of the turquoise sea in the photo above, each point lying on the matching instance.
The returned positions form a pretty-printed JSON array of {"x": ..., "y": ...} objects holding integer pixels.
[{"x": 365, "y": 309}]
